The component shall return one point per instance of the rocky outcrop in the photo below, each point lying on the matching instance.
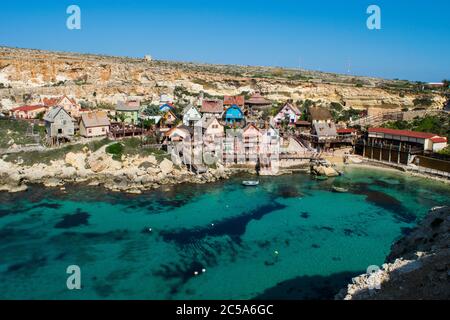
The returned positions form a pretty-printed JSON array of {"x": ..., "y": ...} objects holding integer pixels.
[
  {"x": 133, "y": 174},
  {"x": 29, "y": 75},
  {"x": 324, "y": 171},
  {"x": 76, "y": 160},
  {"x": 166, "y": 166},
  {"x": 418, "y": 266}
]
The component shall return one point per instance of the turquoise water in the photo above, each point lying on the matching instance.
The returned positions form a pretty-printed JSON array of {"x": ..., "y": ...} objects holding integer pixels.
[{"x": 322, "y": 238}]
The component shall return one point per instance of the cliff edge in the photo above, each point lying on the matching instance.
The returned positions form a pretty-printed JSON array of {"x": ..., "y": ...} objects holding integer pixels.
[{"x": 418, "y": 267}]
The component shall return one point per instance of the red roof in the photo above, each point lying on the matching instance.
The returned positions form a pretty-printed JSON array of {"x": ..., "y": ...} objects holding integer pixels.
[
  {"x": 303, "y": 123},
  {"x": 404, "y": 133},
  {"x": 212, "y": 106},
  {"x": 230, "y": 100},
  {"x": 27, "y": 108},
  {"x": 258, "y": 99},
  {"x": 439, "y": 139},
  {"x": 51, "y": 102},
  {"x": 349, "y": 130}
]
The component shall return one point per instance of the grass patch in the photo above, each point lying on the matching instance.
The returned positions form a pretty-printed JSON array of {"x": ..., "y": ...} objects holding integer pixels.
[
  {"x": 132, "y": 146},
  {"x": 17, "y": 131},
  {"x": 33, "y": 157}
]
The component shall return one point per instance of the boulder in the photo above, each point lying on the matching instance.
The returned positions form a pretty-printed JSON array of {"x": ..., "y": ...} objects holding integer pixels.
[
  {"x": 325, "y": 171},
  {"x": 104, "y": 162},
  {"x": 76, "y": 160},
  {"x": 166, "y": 166},
  {"x": 99, "y": 164}
]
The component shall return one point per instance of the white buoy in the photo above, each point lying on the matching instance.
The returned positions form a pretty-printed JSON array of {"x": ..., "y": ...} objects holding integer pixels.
[
  {"x": 212, "y": 224},
  {"x": 195, "y": 272},
  {"x": 150, "y": 229},
  {"x": 276, "y": 252},
  {"x": 203, "y": 270}
]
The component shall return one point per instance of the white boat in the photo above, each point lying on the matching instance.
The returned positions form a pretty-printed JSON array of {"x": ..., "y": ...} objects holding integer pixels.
[
  {"x": 355, "y": 160},
  {"x": 250, "y": 183},
  {"x": 338, "y": 189}
]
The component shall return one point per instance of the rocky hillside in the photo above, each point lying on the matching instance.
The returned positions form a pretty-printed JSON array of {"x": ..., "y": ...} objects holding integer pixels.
[
  {"x": 418, "y": 266},
  {"x": 26, "y": 75}
]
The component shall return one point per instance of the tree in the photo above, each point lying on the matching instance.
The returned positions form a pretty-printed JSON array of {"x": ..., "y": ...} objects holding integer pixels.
[
  {"x": 121, "y": 117},
  {"x": 152, "y": 110},
  {"x": 446, "y": 83},
  {"x": 40, "y": 115}
]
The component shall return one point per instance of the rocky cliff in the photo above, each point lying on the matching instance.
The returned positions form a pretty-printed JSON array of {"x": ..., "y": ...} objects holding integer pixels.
[
  {"x": 418, "y": 266},
  {"x": 26, "y": 75}
]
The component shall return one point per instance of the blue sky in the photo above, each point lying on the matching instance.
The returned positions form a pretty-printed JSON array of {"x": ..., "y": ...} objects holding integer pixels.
[{"x": 318, "y": 35}]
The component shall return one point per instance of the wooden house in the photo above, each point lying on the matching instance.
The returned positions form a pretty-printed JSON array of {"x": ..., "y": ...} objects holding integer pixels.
[
  {"x": 129, "y": 111},
  {"x": 212, "y": 108},
  {"x": 166, "y": 107},
  {"x": 252, "y": 137},
  {"x": 27, "y": 112},
  {"x": 289, "y": 114},
  {"x": 234, "y": 100},
  {"x": 69, "y": 104},
  {"x": 191, "y": 115},
  {"x": 94, "y": 124},
  {"x": 59, "y": 124},
  {"x": 257, "y": 101},
  {"x": 168, "y": 121},
  {"x": 233, "y": 114}
]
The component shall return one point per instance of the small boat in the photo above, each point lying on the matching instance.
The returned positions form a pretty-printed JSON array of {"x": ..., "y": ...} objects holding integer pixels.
[
  {"x": 320, "y": 178},
  {"x": 250, "y": 183},
  {"x": 339, "y": 189}
]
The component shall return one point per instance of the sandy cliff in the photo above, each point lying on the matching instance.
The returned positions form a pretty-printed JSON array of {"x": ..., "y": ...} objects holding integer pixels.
[{"x": 26, "y": 75}]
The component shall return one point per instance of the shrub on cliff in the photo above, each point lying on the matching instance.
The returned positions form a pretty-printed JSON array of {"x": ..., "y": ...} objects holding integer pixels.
[{"x": 116, "y": 150}]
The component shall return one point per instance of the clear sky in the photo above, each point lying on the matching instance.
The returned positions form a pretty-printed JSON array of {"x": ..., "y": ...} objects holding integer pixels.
[{"x": 414, "y": 42}]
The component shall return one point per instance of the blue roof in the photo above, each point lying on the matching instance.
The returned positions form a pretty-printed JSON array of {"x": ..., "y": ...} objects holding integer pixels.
[
  {"x": 166, "y": 106},
  {"x": 234, "y": 112}
]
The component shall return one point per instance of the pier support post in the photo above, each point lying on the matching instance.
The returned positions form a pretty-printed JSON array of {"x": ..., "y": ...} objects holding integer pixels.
[
  {"x": 371, "y": 151},
  {"x": 390, "y": 152}
]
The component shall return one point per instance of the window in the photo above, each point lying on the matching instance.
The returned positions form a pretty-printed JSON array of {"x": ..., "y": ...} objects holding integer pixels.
[
  {"x": 103, "y": 129},
  {"x": 59, "y": 131},
  {"x": 89, "y": 130}
]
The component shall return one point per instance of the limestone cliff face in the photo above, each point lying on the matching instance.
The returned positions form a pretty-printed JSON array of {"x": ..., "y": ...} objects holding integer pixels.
[
  {"x": 418, "y": 266},
  {"x": 97, "y": 78}
]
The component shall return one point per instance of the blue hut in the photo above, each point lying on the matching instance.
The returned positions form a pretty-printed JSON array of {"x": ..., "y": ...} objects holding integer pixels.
[
  {"x": 166, "y": 107},
  {"x": 234, "y": 114}
]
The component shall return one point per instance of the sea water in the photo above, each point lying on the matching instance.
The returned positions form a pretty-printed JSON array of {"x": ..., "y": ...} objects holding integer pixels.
[{"x": 291, "y": 237}]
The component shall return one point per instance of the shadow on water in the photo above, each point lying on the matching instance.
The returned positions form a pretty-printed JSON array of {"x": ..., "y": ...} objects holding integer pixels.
[
  {"x": 309, "y": 287},
  {"x": 73, "y": 220},
  {"x": 233, "y": 227},
  {"x": 194, "y": 258},
  {"x": 384, "y": 201}
]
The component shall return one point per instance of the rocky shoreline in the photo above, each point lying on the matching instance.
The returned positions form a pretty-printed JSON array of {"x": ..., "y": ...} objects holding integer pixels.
[
  {"x": 417, "y": 268},
  {"x": 386, "y": 167},
  {"x": 133, "y": 174}
]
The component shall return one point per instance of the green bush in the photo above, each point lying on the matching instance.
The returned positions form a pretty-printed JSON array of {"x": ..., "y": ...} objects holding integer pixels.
[
  {"x": 423, "y": 101},
  {"x": 116, "y": 150}
]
